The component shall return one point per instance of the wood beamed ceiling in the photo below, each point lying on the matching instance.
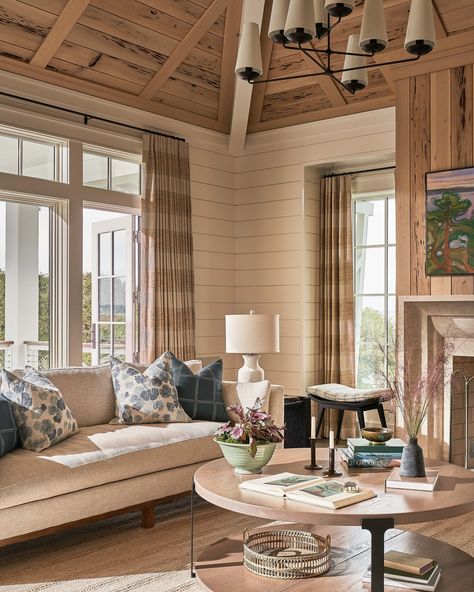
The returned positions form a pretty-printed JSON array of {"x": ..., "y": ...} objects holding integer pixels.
[{"x": 176, "y": 57}]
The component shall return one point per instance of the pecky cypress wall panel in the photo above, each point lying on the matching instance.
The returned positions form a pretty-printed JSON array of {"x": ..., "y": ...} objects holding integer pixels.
[{"x": 435, "y": 131}]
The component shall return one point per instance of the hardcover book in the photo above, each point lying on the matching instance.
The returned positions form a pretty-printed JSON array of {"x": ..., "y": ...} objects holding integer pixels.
[
  {"x": 317, "y": 491},
  {"x": 363, "y": 445},
  {"x": 408, "y": 562},
  {"x": 396, "y": 481}
]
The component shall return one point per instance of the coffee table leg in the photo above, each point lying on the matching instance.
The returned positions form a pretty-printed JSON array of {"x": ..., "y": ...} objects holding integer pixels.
[
  {"x": 377, "y": 528},
  {"x": 193, "y": 493}
]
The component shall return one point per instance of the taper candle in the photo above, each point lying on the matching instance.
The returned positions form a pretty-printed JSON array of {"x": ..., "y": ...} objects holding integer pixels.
[
  {"x": 331, "y": 439},
  {"x": 313, "y": 426}
]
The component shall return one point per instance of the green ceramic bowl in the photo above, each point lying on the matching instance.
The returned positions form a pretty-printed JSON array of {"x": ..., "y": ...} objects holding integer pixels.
[
  {"x": 377, "y": 435},
  {"x": 238, "y": 456}
]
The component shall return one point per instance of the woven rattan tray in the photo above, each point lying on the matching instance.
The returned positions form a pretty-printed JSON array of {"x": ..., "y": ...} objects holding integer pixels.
[{"x": 286, "y": 554}]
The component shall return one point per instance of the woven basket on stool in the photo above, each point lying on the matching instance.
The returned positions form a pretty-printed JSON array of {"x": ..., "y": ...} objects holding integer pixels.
[{"x": 286, "y": 554}]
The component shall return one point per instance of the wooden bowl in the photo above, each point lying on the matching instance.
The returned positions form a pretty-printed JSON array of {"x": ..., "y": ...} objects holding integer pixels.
[{"x": 377, "y": 435}]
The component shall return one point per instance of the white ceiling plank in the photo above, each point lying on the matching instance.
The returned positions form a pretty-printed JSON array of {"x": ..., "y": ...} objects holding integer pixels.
[{"x": 252, "y": 12}]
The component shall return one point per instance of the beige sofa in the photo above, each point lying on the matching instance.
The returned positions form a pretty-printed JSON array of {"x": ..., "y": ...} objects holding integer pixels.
[{"x": 39, "y": 496}]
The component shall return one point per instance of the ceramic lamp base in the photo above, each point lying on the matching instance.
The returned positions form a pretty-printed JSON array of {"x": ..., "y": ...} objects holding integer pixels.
[
  {"x": 238, "y": 471},
  {"x": 250, "y": 371}
]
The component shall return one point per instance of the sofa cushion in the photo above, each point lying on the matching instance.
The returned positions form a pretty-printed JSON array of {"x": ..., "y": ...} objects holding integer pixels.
[
  {"x": 148, "y": 397},
  {"x": 8, "y": 429},
  {"x": 200, "y": 394},
  {"x": 26, "y": 477},
  {"x": 87, "y": 391},
  {"x": 41, "y": 414}
]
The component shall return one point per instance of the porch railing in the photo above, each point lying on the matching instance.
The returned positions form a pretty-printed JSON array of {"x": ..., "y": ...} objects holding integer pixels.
[{"x": 6, "y": 354}]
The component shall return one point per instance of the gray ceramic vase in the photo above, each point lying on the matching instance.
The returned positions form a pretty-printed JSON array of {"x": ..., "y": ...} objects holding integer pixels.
[{"x": 413, "y": 462}]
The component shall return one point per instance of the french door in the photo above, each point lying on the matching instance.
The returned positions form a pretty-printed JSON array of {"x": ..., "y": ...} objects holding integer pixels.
[{"x": 113, "y": 315}]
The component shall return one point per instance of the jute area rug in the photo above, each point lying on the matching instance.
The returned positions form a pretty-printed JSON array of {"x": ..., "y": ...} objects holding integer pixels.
[{"x": 117, "y": 555}]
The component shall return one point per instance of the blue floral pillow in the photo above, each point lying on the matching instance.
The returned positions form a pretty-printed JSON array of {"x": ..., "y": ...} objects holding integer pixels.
[
  {"x": 40, "y": 412},
  {"x": 150, "y": 397}
]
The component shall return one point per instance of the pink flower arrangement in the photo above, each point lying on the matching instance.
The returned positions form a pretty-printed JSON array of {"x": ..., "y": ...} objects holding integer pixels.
[{"x": 255, "y": 427}]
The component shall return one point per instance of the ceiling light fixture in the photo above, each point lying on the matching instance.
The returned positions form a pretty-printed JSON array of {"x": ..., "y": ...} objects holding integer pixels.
[{"x": 294, "y": 23}]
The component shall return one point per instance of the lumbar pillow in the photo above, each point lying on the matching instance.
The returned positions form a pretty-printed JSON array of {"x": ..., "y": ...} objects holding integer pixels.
[
  {"x": 8, "y": 429},
  {"x": 148, "y": 397},
  {"x": 40, "y": 412},
  {"x": 200, "y": 394},
  {"x": 246, "y": 394}
]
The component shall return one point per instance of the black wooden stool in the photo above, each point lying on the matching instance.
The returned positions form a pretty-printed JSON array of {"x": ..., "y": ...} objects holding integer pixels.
[{"x": 358, "y": 406}]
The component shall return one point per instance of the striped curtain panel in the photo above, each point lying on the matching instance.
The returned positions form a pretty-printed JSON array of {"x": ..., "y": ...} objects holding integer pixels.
[
  {"x": 167, "y": 315},
  {"x": 337, "y": 292}
]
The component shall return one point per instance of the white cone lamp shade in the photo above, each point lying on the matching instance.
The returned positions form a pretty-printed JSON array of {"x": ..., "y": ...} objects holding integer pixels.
[
  {"x": 249, "y": 58},
  {"x": 276, "y": 28},
  {"x": 300, "y": 25},
  {"x": 252, "y": 334},
  {"x": 373, "y": 33},
  {"x": 320, "y": 18},
  {"x": 358, "y": 79},
  {"x": 339, "y": 9},
  {"x": 421, "y": 36}
]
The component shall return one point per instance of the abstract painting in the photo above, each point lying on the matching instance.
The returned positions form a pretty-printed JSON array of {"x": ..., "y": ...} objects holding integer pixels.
[{"x": 450, "y": 222}]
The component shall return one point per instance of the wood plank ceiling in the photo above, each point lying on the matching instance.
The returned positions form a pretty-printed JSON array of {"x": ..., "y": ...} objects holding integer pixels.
[{"x": 176, "y": 57}]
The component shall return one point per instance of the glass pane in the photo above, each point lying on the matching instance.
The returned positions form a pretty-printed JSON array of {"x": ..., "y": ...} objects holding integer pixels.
[
  {"x": 119, "y": 253},
  {"x": 119, "y": 345},
  {"x": 392, "y": 225},
  {"x": 94, "y": 170},
  {"x": 105, "y": 253},
  {"x": 370, "y": 222},
  {"x": 104, "y": 344},
  {"x": 119, "y": 299},
  {"x": 392, "y": 270},
  {"x": 371, "y": 365},
  {"x": 125, "y": 176},
  {"x": 370, "y": 271},
  {"x": 104, "y": 299},
  {"x": 370, "y": 319},
  {"x": 38, "y": 160},
  {"x": 8, "y": 155},
  {"x": 391, "y": 319}
]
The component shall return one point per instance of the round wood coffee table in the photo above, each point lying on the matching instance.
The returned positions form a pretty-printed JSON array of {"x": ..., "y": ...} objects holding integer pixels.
[{"x": 217, "y": 483}]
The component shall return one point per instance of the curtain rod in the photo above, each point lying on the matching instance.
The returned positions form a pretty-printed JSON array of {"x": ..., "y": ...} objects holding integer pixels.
[
  {"x": 87, "y": 118},
  {"x": 353, "y": 173}
]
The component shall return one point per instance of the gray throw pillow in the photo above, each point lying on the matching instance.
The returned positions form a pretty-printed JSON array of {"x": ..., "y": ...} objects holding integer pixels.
[
  {"x": 148, "y": 397},
  {"x": 8, "y": 429},
  {"x": 200, "y": 394}
]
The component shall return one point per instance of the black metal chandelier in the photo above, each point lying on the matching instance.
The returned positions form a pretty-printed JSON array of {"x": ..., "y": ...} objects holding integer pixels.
[{"x": 294, "y": 24}]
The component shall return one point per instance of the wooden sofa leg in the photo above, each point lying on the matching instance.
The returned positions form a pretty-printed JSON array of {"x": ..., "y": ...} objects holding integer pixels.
[{"x": 148, "y": 516}]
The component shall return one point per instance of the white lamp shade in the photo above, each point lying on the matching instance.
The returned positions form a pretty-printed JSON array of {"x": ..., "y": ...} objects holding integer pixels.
[
  {"x": 373, "y": 33},
  {"x": 320, "y": 17},
  {"x": 300, "y": 16},
  {"x": 278, "y": 16},
  {"x": 252, "y": 333},
  {"x": 250, "y": 54},
  {"x": 420, "y": 27},
  {"x": 339, "y": 7},
  {"x": 360, "y": 77}
]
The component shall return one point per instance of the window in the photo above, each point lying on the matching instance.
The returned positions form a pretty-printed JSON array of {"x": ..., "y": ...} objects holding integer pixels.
[
  {"x": 110, "y": 172},
  {"x": 374, "y": 287},
  {"x": 39, "y": 158}
]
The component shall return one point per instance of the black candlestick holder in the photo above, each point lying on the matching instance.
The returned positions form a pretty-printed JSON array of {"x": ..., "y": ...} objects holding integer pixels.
[
  {"x": 314, "y": 465},
  {"x": 331, "y": 471}
]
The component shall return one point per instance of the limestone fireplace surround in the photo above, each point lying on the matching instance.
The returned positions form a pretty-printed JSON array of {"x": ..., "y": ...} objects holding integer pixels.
[{"x": 425, "y": 324}]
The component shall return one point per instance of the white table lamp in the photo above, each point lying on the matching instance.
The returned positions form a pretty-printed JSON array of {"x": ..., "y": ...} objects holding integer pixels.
[{"x": 251, "y": 335}]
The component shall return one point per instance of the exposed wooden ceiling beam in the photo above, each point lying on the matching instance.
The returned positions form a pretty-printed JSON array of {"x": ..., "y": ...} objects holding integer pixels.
[
  {"x": 108, "y": 94},
  {"x": 229, "y": 55},
  {"x": 260, "y": 90},
  {"x": 183, "y": 48},
  {"x": 441, "y": 30},
  {"x": 66, "y": 20},
  {"x": 253, "y": 12}
]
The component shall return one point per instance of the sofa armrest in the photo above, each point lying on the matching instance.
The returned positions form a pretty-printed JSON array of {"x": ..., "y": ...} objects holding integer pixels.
[{"x": 276, "y": 403}]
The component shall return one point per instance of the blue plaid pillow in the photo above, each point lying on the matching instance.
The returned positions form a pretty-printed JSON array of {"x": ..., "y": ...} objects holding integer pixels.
[
  {"x": 200, "y": 394},
  {"x": 8, "y": 429}
]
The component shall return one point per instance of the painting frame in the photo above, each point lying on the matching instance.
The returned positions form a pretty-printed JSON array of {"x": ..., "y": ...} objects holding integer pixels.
[{"x": 449, "y": 247}]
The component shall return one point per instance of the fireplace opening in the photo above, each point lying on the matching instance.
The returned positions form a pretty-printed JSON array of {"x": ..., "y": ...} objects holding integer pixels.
[{"x": 462, "y": 417}]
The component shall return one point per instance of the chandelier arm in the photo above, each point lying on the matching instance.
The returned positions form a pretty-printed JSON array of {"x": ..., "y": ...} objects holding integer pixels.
[
  {"x": 348, "y": 53},
  {"x": 330, "y": 27},
  {"x": 366, "y": 67},
  {"x": 336, "y": 79},
  {"x": 322, "y": 66}
]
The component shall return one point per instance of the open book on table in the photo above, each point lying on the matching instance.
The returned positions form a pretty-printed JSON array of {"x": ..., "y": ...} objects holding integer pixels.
[{"x": 312, "y": 490}]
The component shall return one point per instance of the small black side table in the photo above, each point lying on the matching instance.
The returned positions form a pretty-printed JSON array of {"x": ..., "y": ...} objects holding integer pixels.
[
  {"x": 358, "y": 406},
  {"x": 297, "y": 422}
]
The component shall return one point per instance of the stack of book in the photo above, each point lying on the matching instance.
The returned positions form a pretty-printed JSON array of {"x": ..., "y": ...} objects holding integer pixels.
[
  {"x": 360, "y": 453},
  {"x": 406, "y": 571}
]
